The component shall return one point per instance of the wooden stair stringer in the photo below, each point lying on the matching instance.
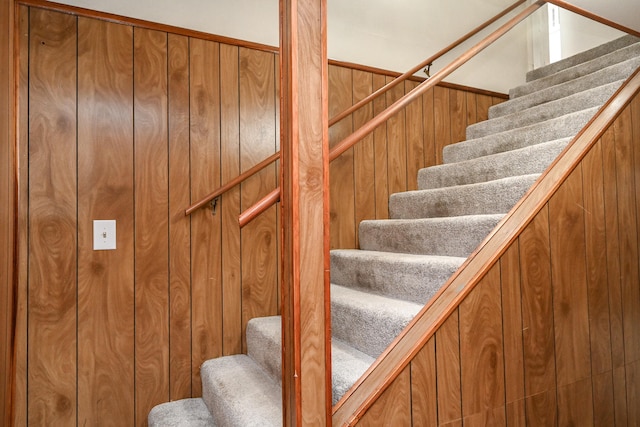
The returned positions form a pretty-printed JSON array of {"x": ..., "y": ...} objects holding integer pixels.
[{"x": 364, "y": 393}]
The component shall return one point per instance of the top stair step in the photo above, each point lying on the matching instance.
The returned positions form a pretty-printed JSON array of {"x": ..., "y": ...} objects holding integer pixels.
[
  {"x": 577, "y": 71},
  {"x": 585, "y": 56}
]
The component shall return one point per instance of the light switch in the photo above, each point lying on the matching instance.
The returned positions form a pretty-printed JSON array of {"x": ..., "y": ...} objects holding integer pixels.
[{"x": 104, "y": 234}]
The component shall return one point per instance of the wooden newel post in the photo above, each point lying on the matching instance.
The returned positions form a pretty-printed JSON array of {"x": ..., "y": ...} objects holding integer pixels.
[{"x": 306, "y": 381}]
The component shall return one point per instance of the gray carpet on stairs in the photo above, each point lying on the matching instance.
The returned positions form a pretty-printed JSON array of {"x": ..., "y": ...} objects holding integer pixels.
[{"x": 403, "y": 261}]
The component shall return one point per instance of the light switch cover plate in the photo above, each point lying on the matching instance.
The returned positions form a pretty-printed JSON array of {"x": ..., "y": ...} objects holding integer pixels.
[{"x": 104, "y": 234}]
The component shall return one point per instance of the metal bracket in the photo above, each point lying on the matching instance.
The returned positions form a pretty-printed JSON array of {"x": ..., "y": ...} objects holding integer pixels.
[
  {"x": 427, "y": 70},
  {"x": 212, "y": 205}
]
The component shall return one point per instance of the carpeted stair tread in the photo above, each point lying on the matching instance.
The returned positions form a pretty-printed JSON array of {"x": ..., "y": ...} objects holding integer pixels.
[
  {"x": 577, "y": 71},
  {"x": 452, "y": 236},
  {"x": 582, "y": 57},
  {"x": 559, "y": 128},
  {"x": 586, "y": 99},
  {"x": 348, "y": 364},
  {"x": 410, "y": 277},
  {"x": 613, "y": 73},
  {"x": 495, "y": 196},
  {"x": 368, "y": 322},
  {"x": 181, "y": 413},
  {"x": 263, "y": 344},
  {"x": 523, "y": 161},
  {"x": 239, "y": 393}
]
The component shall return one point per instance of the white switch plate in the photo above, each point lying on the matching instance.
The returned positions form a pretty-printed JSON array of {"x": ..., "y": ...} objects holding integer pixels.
[{"x": 104, "y": 234}]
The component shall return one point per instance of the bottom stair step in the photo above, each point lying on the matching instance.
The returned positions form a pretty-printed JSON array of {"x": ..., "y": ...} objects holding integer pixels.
[
  {"x": 239, "y": 393},
  {"x": 181, "y": 413}
]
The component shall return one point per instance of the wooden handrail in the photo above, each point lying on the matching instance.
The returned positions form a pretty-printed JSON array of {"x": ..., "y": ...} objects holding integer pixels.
[
  {"x": 263, "y": 204},
  {"x": 229, "y": 185},
  {"x": 421, "y": 65},
  {"x": 351, "y": 109},
  {"x": 401, "y": 103}
]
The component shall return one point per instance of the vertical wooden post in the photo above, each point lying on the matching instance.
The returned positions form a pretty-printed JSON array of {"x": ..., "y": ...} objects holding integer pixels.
[
  {"x": 7, "y": 212},
  {"x": 305, "y": 213}
]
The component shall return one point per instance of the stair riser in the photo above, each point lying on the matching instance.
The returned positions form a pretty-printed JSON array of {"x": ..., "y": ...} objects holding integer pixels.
[
  {"x": 587, "y": 99},
  {"x": 562, "y": 127},
  {"x": 411, "y": 279},
  {"x": 474, "y": 199},
  {"x": 576, "y": 72},
  {"x": 602, "y": 77},
  {"x": 456, "y": 237}
]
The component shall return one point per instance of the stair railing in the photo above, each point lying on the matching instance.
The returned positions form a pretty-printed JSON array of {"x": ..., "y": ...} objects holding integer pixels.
[
  {"x": 348, "y": 142},
  {"x": 274, "y": 196}
]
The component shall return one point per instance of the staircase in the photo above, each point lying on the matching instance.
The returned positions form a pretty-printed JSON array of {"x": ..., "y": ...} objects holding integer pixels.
[{"x": 403, "y": 261}]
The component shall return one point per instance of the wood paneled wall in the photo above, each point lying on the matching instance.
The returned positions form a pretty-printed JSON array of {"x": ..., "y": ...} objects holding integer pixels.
[
  {"x": 133, "y": 123},
  {"x": 388, "y": 160},
  {"x": 550, "y": 335}
]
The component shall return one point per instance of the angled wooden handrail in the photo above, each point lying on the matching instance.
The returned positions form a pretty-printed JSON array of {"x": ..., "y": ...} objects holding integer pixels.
[
  {"x": 401, "y": 103},
  {"x": 229, "y": 185},
  {"x": 348, "y": 111},
  {"x": 421, "y": 65}
]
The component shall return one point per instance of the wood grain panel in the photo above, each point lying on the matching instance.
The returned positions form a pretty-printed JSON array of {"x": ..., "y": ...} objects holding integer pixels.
[
  {"x": 629, "y": 261},
  {"x": 633, "y": 393},
  {"x": 575, "y": 403},
  {"x": 380, "y": 146},
  {"x": 257, "y": 141},
  {"x": 441, "y": 120},
  {"x": 341, "y": 192},
  {"x": 537, "y": 315},
  {"x": 424, "y": 409},
  {"x": 414, "y": 138},
  {"x": 429, "y": 128},
  {"x": 596, "y": 260},
  {"x": 363, "y": 153},
  {"x": 230, "y": 202},
  {"x": 448, "y": 371},
  {"x": 393, "y": 407},
  {"x": 52, "y": 319},
  {"x": 151, "y": 190},
  {"x": 570, "y": 304},
  {"x": 397, "y": 144},
  {"x": 481, "y": 353},
  {"x": 483, "y": 102},
  {"x": 206, "y": 275},
  {"x": 472, "y": 108},
  {"x": 105, "y": 191},
  {"x": 458, "y": 115},
  {"x": 179, "y": 226},
  {"x": 603, "y": 399}
]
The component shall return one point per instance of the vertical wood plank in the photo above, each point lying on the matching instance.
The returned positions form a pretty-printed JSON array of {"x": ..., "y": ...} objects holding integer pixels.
[
  {"x": 424, "y": 402},
  {"x": 429, "y": 128},
  {"x": 628, "y": 233},
  {"x": 537, "y": 321},
  {"x": 481, "y": 353},
  {"x": 151, "y": 192},
  {"x": 512, "y": 331},
  {"x": 633, "y": 392},
  {"x": 380, "y": 144},
  {"x": 206, "y": 292},
  {"x": 52, "y": 302},
  {"x": 363, "y": 153},
  {"x": 472, "y": 108},
  {"x": 483, "y": 102},
  {"x": 441, "y": 120},
  {"x": 575, "y": 405},
  {"x": 105, "y": 191},
  {"x": 257, "y": 141},
  {"x": 448, "y": 372},
  {"x": 397, "y": 144},
  {"x": 603, "y": 400},
  {"x": 342, "y": 191},
  {"x": 414, "y": 138},
  {"x": 19, "y": 398},
  {"x": 570, "y": 305},
  {"x": 230, "y": 203},
  {"x": 179, "y": 225},
  {"x": 458, "y": 115},
  {"x": 393, "y": 407}
]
